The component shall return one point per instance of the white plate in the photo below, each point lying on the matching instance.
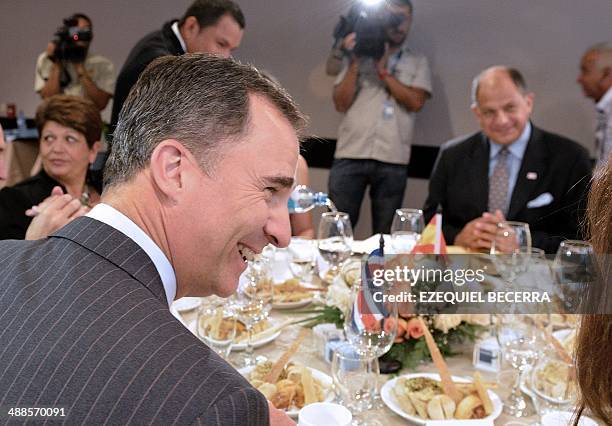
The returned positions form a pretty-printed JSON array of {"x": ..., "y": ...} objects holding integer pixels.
[
  {"x": 242, "y": 346},
  {"x": 563, "y": 418},
  {"x": 389, "y": 398},
  {"x": 292, "y": 305},
  {"x": 317, "y": 374},
  {"x": 186, "y": 303}
]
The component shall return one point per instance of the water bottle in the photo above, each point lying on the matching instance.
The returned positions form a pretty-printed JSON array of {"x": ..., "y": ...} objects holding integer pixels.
[
  {"x": 21, "y": 122},
  {"x": 303, "y": 199}
]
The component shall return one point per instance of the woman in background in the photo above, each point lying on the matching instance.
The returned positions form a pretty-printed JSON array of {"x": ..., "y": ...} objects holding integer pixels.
[{"x": 69, "y": 128}]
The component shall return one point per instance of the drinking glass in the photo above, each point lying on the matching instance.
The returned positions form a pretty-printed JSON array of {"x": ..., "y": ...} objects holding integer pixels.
[
  {"x": 573, "y": 271},
  {"x": 553, "y": 383},
  {"x": 521, "y": 343},
  {"x": 511, "y": 249},
  {"x": 302, "y": 258},
  {"x": 335, "y": 239},
  {"x": 406, "y": 229},
  {"x": 370, "y": 324},
  {"x": 253, "y": 301},
  {"x": 355, "y": 381},
  {"x": 216, "y": 325}
]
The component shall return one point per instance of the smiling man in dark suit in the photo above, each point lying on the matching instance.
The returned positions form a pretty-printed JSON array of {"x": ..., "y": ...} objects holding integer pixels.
[
  {"x": 205, "y": 157},
  {"x": 208, "y": 26},
  {"x": 510, "y": 170}
]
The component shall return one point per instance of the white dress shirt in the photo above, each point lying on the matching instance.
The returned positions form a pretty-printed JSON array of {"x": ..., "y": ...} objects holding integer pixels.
[
  {"x": 603, "y": 133},
  {"x": 177, "y": 33},
  {"x": 113, "y": 217}
]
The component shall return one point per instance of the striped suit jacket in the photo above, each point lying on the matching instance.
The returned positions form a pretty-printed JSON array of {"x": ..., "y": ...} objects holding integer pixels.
[{"x": 85, "y": 325}]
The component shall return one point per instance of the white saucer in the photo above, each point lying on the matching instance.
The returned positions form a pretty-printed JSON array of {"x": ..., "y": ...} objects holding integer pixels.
[{"x": 186, "y": 303}]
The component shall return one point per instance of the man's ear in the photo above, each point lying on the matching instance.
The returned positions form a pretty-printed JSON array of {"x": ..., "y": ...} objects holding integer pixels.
[
  {"x": 529, "y": 98},
  {"x": 475, "y": 110},
  {"x": 606, "y": 77},
  {"x": 190, "y": 28},
  {"x": 167, "y": 164}
]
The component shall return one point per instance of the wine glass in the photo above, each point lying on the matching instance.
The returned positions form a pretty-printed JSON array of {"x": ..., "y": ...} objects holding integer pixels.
[
  {"x": 553, "y": 383},
  {"x": 520, "y": 342},
  {"x": 216, "y": 325},
  {"x": 573, "y": 271},
  {"x": 355, "y": 381},
  {"x": 335, "y": 238},
  {"x": 253, "y": 300},
  {"x": 406, "y": 229},
  {"x": 302, "y": 258},
  {"x": 511, "y": 248},
  {"x": 370, "y": 324}
]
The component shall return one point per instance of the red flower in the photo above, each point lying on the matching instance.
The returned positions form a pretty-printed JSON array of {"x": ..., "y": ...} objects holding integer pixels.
[{"x": 414, "y": 328}]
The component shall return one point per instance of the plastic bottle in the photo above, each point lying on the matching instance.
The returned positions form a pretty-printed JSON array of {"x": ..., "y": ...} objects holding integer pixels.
[{"x": 303, "y": 199}]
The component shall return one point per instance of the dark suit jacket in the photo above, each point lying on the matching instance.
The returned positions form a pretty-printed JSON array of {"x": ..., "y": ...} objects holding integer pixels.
[
  {"x": 85, "y": 325},
  {"x": 16, "y": 199},
  {"x": 158, "y": 43},
  {"x": 460, "y": 184}
]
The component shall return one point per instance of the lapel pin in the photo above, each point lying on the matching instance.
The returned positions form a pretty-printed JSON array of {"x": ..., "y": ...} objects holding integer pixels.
[{"x": 532, "y": 175}]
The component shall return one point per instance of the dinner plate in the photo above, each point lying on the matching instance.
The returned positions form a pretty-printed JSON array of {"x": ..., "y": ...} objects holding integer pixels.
[
  {"x": 187, "y": 303},
  {"x": 388, "y": 398},
  {"x": 242, "y": 346},
  {"x": 292, "y": 305},
  {"x": 259, "y": 342},
  {"x": 317, "y": 374},
  {"x": 562, "y": 418}
]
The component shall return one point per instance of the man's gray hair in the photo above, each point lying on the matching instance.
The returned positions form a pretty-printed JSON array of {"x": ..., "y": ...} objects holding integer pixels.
[
  {"x": 604, "y": 57},
  {"x": 199, "y": 100},
  {"x": 514, "y": 74}
]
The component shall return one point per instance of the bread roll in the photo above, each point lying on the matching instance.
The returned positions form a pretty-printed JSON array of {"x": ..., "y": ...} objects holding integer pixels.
[{"x": 466, "y": 407}]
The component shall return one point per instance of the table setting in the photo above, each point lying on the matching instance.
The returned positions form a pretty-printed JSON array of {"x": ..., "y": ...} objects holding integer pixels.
[{"x": 303, "y": 331}]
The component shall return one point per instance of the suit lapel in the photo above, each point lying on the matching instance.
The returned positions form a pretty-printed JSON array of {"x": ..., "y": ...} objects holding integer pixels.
[
  {"x": 117, "y": 248},
  {"x": 479, "y": 173},
  {"x": 534, "y": 164}
]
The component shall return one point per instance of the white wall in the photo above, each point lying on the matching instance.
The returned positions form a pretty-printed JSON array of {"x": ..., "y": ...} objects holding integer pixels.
[{"x": 291, "y": 38}]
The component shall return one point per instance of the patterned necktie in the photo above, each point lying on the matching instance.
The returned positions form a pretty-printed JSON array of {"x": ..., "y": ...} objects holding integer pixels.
[{"x": 498, "y": 183}]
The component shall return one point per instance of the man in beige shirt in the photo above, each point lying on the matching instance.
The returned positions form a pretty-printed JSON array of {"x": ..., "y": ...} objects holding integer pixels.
[
  {"x": 380, "y": 98},
  {"x": 93, "y": 78}
]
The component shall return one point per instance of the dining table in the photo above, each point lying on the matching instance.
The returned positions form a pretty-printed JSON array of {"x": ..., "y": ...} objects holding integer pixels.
[{"x": 311, "y": 354}]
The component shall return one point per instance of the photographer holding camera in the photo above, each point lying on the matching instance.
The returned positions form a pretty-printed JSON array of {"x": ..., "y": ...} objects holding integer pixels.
[
  {"x": 380, "y": 89},
  {"x": 68, "y": 67}
]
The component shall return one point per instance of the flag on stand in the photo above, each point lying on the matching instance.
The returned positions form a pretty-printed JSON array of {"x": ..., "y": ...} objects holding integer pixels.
[
  {"x": 432, "y": 239},
  {"x": 367, "y": 314}
]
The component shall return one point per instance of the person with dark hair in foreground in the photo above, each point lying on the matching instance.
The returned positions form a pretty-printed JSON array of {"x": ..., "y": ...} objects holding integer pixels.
[
  {"x": 198, "y": 182},
  {"x": 510, "y": 169},
  {"x": 594, "y": 340},
  {"x": 208, "y": 26}
]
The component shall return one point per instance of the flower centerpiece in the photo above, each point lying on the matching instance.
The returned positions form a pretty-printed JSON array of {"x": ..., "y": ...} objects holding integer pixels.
[{"x": 410, "y": 348}]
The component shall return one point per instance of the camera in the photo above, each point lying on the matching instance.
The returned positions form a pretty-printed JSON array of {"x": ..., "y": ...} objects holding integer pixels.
[
  {"x": 66, "y": 40},
  {"x": 370, "y": 24}
]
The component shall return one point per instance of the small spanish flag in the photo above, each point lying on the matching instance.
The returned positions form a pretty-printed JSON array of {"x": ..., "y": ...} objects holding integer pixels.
[{"x": 432, "y": 239}]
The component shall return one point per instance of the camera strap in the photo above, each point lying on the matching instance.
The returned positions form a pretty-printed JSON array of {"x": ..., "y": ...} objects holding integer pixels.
[{"x": 394, "y": 60}]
